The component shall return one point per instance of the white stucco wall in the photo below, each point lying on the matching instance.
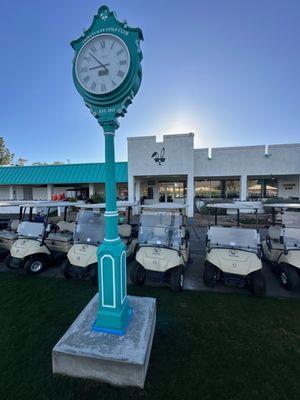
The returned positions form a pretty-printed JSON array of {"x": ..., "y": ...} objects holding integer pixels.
[
  {"x": 288, "y": 186},
  {"x": 178, "y": 155},
  {"x": 4, "y": 193},
  {"x": 248, "y": 160},
  {"x": 39, "y": 193}
]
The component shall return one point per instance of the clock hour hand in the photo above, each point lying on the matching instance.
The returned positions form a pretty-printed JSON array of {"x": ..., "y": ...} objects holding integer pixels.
[
  {"x": 99, "y": 66},
  {"x": 99, "y": 62}
]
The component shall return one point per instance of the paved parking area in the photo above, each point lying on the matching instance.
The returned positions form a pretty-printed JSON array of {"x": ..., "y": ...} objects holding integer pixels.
[{"x": 194, "y": 271}]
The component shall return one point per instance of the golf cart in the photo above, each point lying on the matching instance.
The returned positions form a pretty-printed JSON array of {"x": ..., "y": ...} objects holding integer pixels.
[
  {"x": 9, "y": 227},
  {"x": 233, "y": 253},
  {"x": 42, "y": 237},
  {"x": 281, "y": 248},
  {"x": 163, "y": 246},
  {"x": 89, "y": 234}
]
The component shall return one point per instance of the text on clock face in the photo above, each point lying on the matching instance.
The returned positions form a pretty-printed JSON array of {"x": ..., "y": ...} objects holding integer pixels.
[{"x": 102, "y": 64}]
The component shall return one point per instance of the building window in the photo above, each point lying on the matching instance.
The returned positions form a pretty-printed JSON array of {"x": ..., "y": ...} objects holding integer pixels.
[
  {"x": 223, "y": 188},
  {"x": 232, "y": 188},
  {"x": 123, "y": 193},
  {"x": 148, "y": 193},
  {"x": 262, "y": 188},
  {"x": 270, "y": 188},
  {"x": 179, "y": 190}
]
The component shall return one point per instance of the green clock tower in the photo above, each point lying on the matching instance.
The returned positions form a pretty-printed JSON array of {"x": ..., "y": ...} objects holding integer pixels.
[{"x": 107, "y": 73}]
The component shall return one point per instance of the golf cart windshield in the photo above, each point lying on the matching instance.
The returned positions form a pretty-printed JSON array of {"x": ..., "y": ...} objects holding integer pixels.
[
  {"x": 31, "y": 229},
  {"x": 236, "y": 238},
  {"x": 291, "y": 219},
  {"x": 89, "y": 227},
  {"x": 291, "y": 230},
  {"x": 160, "y": 229}
]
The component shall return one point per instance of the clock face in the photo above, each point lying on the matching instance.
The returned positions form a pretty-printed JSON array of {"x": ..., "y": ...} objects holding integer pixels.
[{"x": 102, "y": 64}]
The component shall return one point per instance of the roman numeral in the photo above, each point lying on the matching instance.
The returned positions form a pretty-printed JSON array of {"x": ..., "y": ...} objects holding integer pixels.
[
  {"x": 112, "y": 45},
  {"x": 87, "y": 59},
  {"x": 86, "y": 79},
  {"x": 120, "y": 52},
  {"x": 114, "y": 83},
  {"x": 102, "y": 44},
  {"x": 93, "y": 87},
  {"x": 120, "y": 74},
  {"x": 103, "y": 87},
  {"x": 93, "y": 48},
  {"x": 123, "y": 62},
  {"x": 84, "y": 69}
]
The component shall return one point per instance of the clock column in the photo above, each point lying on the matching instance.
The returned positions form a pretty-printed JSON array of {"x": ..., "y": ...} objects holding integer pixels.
[{"x": 113, "y": 311}]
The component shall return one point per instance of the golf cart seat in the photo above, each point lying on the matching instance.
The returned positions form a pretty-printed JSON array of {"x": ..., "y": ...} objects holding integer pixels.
[
  {"x": 291, "y": 237},
  {"x": 274, "y": 233},
  {"x": 233, "y": 237},
  {"x": 66, "y": 226},
  {"x": 124, "y": 230},
  {"x": 14, "y": 225},
  {"x": 61, "y": 237},
  {"x": 9, "y": 235}
]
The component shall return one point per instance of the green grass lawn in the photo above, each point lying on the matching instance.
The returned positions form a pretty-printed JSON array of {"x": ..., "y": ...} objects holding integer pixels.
[{"x": 206, "y": 345}]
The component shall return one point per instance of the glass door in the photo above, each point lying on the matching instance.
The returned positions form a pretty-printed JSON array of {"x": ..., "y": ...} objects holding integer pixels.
[{"x": 166, "y": 192}]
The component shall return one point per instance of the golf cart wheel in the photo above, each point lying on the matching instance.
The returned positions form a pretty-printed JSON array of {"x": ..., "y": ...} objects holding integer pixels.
[
  {"x": 289, "y": 277},
  {"x": 35, "y": 265},
  {"x": 66, "y": 269},
  {"x": 258, "y": 283},
  {"x": 210, "y": 276},
  {"x": 137, "y": 274},
  {"x": 177, "y": 279},
  {"x": 94, "y": 274}
]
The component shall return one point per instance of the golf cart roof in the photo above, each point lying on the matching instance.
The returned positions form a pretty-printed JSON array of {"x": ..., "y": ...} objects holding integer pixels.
[
  {"x": 164, "y": 206},
  {"x": 100, "y": 206},
  {"x": 51, "y": 204},
  {"x": 10, "y": 203},
  {"x": 234, "y": 206},
  {"x": 283, "y": 205}
]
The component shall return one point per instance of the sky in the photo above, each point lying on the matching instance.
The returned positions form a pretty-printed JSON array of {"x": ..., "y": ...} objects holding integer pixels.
[{"x": 226, "y": 70}]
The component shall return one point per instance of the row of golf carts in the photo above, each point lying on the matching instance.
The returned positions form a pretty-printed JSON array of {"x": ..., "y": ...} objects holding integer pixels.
[
  {"x": 42, "y": 236},
  {"x": 235, "y": 254},
  {"x": 159, "y": 243}
]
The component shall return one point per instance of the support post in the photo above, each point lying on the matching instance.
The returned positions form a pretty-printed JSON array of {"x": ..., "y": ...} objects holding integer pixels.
[
  {"x": 49, "y": 191},
  {"x": 243, "y": 187},
  {"x": 190, "y": 195},
  {"x": 11, "y": 192},
  {"x": 113, "y": 311},
  {"x": 91, "y": 190}
]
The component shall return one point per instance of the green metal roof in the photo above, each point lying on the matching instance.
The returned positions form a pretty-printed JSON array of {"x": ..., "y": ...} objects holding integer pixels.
[{"x": 60, "y": 174}]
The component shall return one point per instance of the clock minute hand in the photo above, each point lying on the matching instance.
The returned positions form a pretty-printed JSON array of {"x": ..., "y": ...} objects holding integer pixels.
[{"x": 99, "y": 62}]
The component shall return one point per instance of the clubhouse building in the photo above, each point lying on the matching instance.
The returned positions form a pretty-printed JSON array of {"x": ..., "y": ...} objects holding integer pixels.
[{"x": 168, "y": 171}]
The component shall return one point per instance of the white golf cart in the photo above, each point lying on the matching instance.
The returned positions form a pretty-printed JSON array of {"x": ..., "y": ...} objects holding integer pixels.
[
  {"x": 89, "y": 234},
  {"x": 234, "y": 253},
  {"x": 163, "y": 246},
  {"x": 42, "y": 236},
  {"x": 11, "y": 214},
  {"x": 282, "y": 245}
]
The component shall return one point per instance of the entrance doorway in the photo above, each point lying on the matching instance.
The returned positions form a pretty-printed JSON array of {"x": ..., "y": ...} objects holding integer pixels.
[
  {"x": 172, "y": 192},
  {"x": 166, "y": 192}
]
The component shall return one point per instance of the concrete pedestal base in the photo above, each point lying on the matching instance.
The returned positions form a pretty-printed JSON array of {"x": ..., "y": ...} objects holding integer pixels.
[{"x": 118, "y": 360}]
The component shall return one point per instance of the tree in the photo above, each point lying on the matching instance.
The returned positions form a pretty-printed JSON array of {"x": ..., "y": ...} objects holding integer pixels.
[{"x": 6, "y": 156}]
